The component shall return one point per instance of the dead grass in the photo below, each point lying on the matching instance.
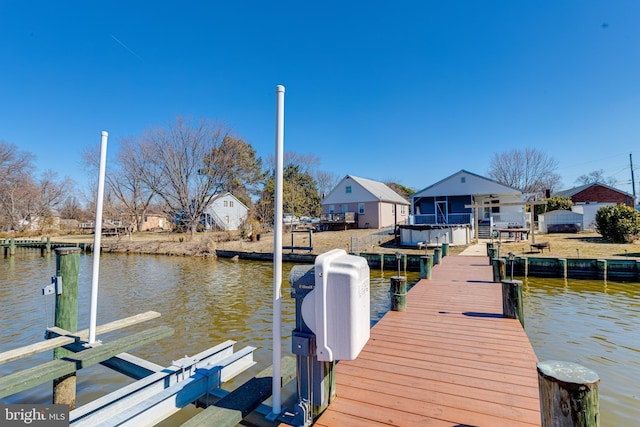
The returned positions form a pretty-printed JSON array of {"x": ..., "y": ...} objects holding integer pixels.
[
  {"x": 580, "y": 245},
  {"x": 583, "y": 245}
]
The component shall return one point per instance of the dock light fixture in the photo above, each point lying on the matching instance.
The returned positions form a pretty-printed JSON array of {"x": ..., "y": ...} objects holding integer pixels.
[
  {"x": 511, "y": 259},
  {"x": 398, "y": 257}
]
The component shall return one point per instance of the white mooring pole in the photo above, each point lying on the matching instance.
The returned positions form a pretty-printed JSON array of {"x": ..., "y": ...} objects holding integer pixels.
[
  {"x": 276, "y": 387},
  {"x": 96, "y": 239}
]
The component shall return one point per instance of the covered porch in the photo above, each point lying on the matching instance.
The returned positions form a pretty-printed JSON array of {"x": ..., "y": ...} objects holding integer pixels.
[{"x": 494, "y": 211}]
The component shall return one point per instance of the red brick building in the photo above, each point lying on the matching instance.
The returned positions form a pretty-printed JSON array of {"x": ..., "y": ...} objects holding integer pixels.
[{"x": 597, "y": 193}]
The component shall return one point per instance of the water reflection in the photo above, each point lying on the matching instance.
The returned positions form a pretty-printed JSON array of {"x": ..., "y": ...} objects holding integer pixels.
[{"x": 593, "y": 323}]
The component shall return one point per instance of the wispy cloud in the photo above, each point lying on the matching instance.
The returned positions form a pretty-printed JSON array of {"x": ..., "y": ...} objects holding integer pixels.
[{"x": 126, "y": 47}]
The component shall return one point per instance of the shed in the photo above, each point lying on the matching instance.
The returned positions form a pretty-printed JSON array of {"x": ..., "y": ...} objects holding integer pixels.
[{"x": 561, "y": 221}]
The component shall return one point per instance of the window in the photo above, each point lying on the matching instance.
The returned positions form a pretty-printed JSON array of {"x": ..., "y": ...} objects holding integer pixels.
[
  {"x": 361, "y": 208},
  {"x": 393, "y": 209},
  {"x": 402, "y": 209},
  {"x": 226, "y": 204},
  {"x": 463, "y": 179},
  {"x": 493, "y": 209},
  {"x": 231, "y": 203},
  {"x": 345, "y": 208},
  {"x": 332, "y": 208},
  {"x": 348, "y": 189}
]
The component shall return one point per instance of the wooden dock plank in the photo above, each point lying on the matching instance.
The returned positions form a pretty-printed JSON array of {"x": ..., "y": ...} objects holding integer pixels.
[
  {"x": 450, "y": 359},
  {"x": 48, "y": 371}
]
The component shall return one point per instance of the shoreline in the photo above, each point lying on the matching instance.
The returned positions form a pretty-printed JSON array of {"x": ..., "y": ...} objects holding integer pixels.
[{"x": 578, "y": 245}]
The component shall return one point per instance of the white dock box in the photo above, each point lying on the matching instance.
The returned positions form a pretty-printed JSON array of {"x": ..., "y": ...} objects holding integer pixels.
[{"x": 337, "y": 310}]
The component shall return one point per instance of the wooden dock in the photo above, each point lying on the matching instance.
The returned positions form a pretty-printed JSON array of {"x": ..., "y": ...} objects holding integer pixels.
[{"x": 450, "y": 359}]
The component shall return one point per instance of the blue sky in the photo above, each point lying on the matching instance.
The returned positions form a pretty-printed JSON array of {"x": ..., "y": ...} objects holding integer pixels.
[{"x": 404, "y": 91}]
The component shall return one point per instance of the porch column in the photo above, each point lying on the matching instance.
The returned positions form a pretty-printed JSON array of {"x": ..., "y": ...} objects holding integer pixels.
[{"x": 475, "y": 224}]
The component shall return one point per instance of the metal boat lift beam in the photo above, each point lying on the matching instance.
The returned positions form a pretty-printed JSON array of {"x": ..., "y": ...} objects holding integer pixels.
[{"x": 156, "y": 397}]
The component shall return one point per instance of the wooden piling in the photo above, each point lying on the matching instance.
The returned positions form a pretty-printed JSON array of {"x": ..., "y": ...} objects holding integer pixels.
[
  {"x": 568, "y": 395},
  {"x": 512, "y": 300},
  {"x": 66, "y": 317},
  {"x": 437, "y": 256},
  {"x": 499, "y": 267},
  {"x": 398, "y": 292},
  {"x": 445, "y": 249},
  {"x": 602, "y": 268},
  {"x": 11, "y": 249},
  {"x": 563, "y": 267},
  {"x": 492, "y": 254},
  {"x": 45, "y": 246},
  {"x": 489, "y": 248},
  {"x": 426, "y": 264}
]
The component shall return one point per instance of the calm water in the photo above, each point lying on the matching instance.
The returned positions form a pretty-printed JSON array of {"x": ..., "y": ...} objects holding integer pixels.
[
  {"x": 595, "y": 324},
  {"x": 208, "y": 301}
]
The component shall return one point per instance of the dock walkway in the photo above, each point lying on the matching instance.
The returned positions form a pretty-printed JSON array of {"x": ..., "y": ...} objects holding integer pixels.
[{"x": 450, "y": 359}]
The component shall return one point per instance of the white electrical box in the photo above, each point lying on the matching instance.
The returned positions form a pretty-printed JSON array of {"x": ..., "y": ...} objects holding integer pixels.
[{"x": 337, "y": 310}]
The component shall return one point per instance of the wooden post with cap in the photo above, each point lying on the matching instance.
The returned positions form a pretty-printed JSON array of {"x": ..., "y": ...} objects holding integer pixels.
[{"x": 66, "y": 317}]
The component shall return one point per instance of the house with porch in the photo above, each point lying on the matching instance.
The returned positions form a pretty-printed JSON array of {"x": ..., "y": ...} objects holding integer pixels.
[
  {"x": 461, "y": 206},
  {"x": 363, "y": 203}
]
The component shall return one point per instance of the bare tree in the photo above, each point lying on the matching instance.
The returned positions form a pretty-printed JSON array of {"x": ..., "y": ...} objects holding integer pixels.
[
  {"x": 15, "y": 179},
  {"x": 71, "y": 209},
  {"x": 126, "y": 187},
  {"x": 187, "y": 164},
  {"x": 529, "y": 170},
  {"x": 24, "y": 201},
  {"x": 326, "y": 182},
  {"x": 596, "y": 176},
  {"x": 50, "y": 194}
]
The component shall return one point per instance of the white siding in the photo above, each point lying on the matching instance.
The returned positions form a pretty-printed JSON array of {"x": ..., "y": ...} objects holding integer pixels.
[{"x": 227, "y": 212}]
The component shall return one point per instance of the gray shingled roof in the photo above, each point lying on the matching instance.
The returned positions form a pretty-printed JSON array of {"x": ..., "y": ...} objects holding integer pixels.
[{"x": 380, "y": 190}]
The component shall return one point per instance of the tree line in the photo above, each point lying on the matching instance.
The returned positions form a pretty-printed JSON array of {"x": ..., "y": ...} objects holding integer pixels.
[
  {"x": 25, "y": 197},
  {"x": 180, "y": 168}
]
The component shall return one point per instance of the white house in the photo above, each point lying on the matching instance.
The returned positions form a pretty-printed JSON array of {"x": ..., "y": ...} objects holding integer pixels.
[
  {"x": 460, "y": 201},
  {"x": 363, "y": 203},
  {"x": 225, "y": 212}
]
